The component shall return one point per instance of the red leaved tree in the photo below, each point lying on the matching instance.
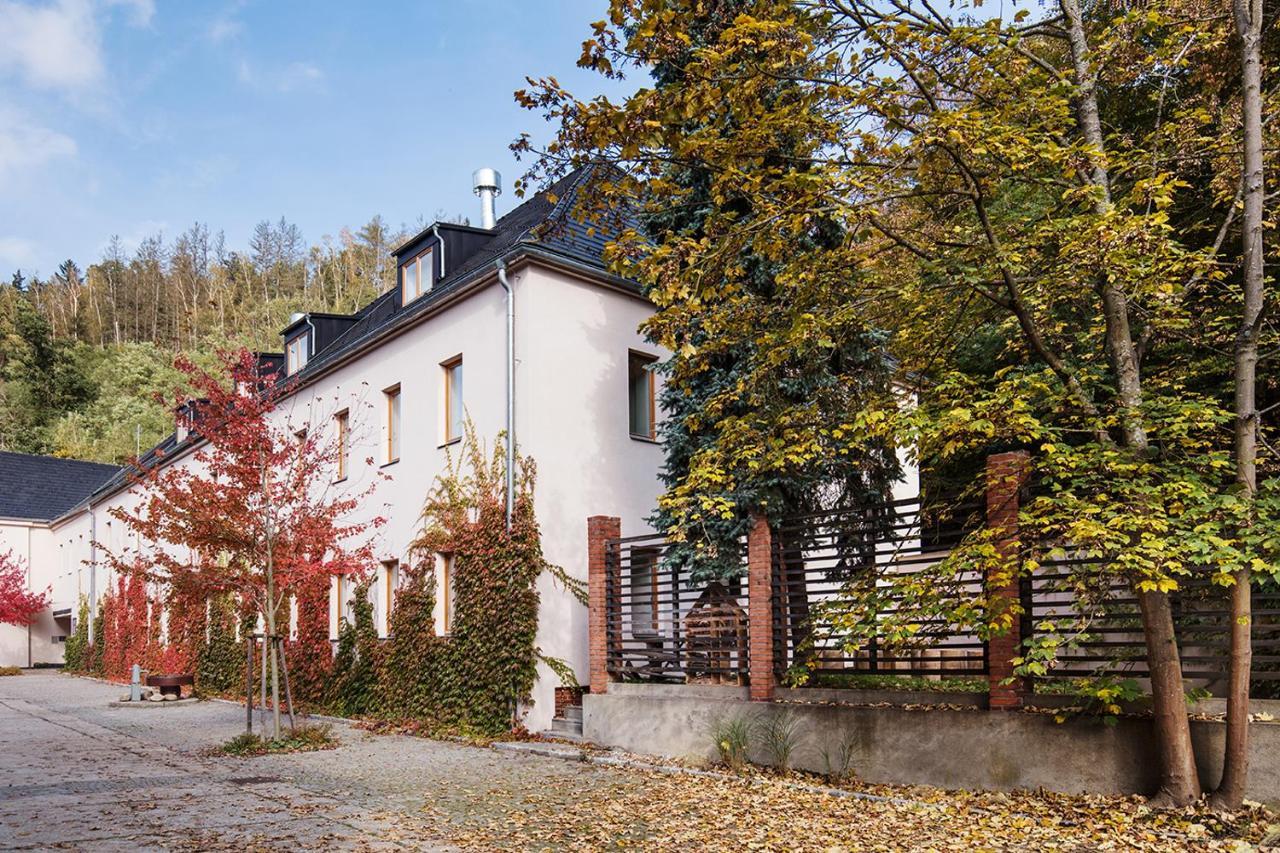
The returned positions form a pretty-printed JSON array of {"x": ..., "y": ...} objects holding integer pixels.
[
  {"x": 253, "y": 511},
  {"x": 18, "y": 604}
]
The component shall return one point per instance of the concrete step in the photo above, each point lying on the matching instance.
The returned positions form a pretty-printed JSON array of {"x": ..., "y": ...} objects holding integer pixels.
[
  {"x": 571, "y": 737},
  {"x": 562, "y": 726},
  {"x": 573, "y": 712}
]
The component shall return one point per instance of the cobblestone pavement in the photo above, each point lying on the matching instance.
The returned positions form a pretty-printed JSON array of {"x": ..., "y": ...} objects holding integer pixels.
[{"x": 78, "y": 774}]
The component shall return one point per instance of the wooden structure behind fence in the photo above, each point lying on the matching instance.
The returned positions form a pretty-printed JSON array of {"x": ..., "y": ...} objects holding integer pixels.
[{"x": 662, "y": 627}]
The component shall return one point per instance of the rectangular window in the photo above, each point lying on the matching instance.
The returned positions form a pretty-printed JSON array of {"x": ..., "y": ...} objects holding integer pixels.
[
  {"x": 453, "y": 410},
  {"x": 415, "y": 277},
  {"x": 296, "y": 354},
  {"x": 640, "y": 397},
  {"x": 389, "y": 580},
  {"x": 444, "y": 594},
  {"x": 393, "y": 424},
  {"x": 342, "y": 423}
]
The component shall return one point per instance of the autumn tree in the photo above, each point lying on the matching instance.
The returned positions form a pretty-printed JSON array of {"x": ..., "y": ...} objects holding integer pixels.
[
  {"x": 1051, "y": 193},
  {"x": 18, "y": 604},
  {"x": 253, "y": 511}
]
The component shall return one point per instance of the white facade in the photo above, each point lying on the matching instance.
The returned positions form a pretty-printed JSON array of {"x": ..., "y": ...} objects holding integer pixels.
[{"x": 573, "y": 337}]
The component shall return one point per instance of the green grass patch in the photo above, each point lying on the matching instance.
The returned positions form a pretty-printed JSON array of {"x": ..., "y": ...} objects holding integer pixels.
[
  {"x": 897, "y": 682},
  {"x": 307, "y": 738}
]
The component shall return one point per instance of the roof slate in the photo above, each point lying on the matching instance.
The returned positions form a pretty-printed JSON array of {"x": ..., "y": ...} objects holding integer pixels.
[{"x": 41, "y": 488}]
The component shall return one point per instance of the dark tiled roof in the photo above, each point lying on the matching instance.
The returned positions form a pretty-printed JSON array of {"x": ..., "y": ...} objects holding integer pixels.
[
  {"x": 540, "y": 223},
  {"x": 41, "y": 488}
]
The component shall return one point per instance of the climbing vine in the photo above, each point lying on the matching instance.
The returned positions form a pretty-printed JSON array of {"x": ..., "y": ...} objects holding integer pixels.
[
  {"x": 309, "y": 654},
  {"x": 355, "y": 666},
  {"x": 77, "y": 648},
  {"x": 475, "y": 679}
]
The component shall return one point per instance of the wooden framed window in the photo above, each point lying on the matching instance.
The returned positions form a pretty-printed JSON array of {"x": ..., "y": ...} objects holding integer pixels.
[
  {"x": 390, "y": 579},
  {"x": 342, "y": 424},
  {"x": 453, "y": 409},
  {"x": 416, "y": 276},
  {"x": 393, "y": 424},
  {"x": 296, "y": 354},
  {"x": 641, "y": 402},
  {"x": 444, "y": 594}
]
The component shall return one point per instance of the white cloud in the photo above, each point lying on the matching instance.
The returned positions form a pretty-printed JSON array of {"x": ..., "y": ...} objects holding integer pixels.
[
  {"x": 17, "y": 252},
  {"x": 228, "y": 24},
  {"x": 224, "y": 28},
  {"x": 54, "y": 47},
  {"x": 142, "y": 11},
  {"x": 290, "y": 78},
  {"x": 24, "y": 145}
]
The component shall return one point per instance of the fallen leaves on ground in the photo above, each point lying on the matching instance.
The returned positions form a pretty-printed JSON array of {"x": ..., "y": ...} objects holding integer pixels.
[{"x": 645, "y": 810}]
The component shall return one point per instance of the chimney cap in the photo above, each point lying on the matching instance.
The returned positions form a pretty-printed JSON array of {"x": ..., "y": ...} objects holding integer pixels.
[{"x": 486, "y": 179}]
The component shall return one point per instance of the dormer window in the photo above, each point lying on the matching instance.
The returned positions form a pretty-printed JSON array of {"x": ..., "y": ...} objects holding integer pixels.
[
  {"x": 415, "y": 277},
  {"x": 295, "y": 354}
]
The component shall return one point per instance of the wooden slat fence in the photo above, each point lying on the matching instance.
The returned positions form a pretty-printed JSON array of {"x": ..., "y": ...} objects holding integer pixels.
[
  {"x": 819, "y": 558},
  {"x": 1107, "y": 629}
]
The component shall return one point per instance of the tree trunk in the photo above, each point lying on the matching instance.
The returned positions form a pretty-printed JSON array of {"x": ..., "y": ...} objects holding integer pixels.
[
  {"x": 1235, "y": 766},
  {"x": 1179, "y": 780},
  {"x": 1179, "y": 783}
]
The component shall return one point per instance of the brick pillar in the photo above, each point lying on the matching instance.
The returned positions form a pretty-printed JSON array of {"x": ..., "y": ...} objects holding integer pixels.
[
  {"x": 599, "y": 529},
  {"x": 760, "y": 608},
  {"x": 1006, "y": 475}
]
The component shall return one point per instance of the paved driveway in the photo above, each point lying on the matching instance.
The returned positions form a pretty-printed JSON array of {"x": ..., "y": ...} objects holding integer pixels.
[{"x": 76, "y": 773}]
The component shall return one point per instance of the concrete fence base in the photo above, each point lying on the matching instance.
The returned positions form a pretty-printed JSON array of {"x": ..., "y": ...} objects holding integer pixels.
[{"x": 969, "y": 748}]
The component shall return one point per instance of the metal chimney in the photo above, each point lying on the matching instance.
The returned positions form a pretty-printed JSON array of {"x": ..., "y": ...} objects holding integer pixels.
[{"x": 487, "y": 183}]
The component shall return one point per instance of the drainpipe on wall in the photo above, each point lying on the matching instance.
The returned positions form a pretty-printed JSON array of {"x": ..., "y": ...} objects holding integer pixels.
[
  {"x": 93, "y": 569},
  {"x": 511, "y": 388},
  {"x": 29, "y": 589}
]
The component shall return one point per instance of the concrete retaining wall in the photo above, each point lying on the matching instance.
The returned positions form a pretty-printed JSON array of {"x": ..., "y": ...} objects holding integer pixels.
[{"x": 999, "y": 750}]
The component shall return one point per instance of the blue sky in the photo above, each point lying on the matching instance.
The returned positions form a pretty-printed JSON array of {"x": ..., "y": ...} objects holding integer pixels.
[{"x": 128, "y": 117}]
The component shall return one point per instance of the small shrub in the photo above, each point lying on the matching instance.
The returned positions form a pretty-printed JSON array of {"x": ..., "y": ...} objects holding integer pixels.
[
  {"x": 732, "y": 736},
  {"x": 839, "y": 759},
  {"x": 777, "y": 734},
  {"x": 10, "y": 670},
  {"x": 304, "y": 738}
]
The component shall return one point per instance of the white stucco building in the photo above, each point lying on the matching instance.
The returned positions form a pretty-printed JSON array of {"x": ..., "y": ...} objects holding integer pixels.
[{"x": 399, "y": 375}]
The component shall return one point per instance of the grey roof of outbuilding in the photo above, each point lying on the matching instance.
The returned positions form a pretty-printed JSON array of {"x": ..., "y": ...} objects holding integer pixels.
[{"x": 41, "y": 488}]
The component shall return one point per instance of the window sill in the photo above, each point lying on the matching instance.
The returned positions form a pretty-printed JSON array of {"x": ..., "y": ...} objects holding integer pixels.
[
  {"x": 448, "y": 443},
  {"x": 389, "y": 464},
  {"x": 644, "y": 438}
]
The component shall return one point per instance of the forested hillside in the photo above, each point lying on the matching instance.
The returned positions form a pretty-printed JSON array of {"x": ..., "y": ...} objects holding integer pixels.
[{"x": 85, "y": 352}]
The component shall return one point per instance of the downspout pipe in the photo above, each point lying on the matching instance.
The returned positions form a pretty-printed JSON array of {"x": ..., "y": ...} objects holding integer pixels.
[
  {"x": 93, "y": 569},
  {"x": 435, "y": 229},
  {"x": 511, "y": 388}
]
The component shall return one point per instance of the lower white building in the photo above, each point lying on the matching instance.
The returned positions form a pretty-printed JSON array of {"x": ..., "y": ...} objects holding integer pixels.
[{"x": 398, "y": 378}]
